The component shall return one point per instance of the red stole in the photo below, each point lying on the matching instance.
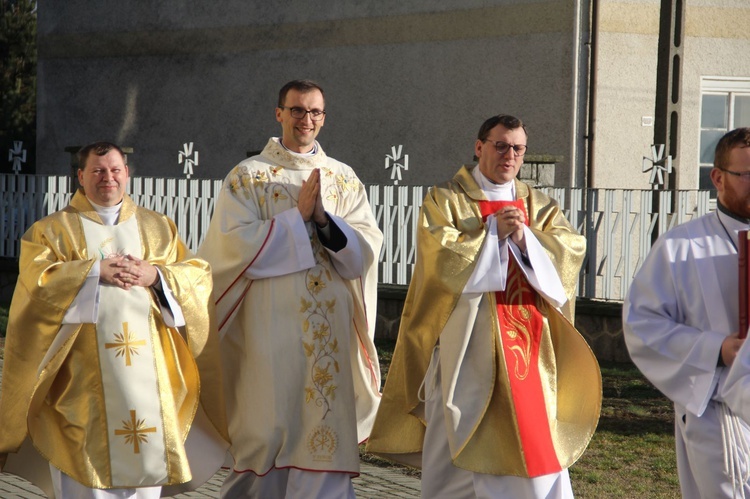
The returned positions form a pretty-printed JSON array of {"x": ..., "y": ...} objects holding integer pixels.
[{"x": 520, "y": 336}]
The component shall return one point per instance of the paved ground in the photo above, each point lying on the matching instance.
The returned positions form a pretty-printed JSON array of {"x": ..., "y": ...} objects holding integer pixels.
[{"x": 373, "y": 483}]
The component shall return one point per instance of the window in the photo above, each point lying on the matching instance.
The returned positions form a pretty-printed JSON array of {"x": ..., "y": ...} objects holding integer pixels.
[{"x": 725, "y": 105}]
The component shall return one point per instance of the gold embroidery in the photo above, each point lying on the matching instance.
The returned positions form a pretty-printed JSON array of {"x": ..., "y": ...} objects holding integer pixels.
[
  {"x": 322, "y": 442},
  {"x": 277, "y": 195},
  {"x": 517, "y": 317},
  {"x": 276, "y": 169},
  {"x": 135, "y": 431},
  {"x": 345, "y": 183},
  {"x": 320, "y": 346},
  {"x": 125, "y": 344},
  {"x": 315, "y": 283},
  {"x": 260, "y": 178}
]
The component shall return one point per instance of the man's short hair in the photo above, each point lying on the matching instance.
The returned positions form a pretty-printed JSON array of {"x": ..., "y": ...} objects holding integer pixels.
[
  {"x": 301, "y": 86},
  {"x": 508, "y": 121},
  {"x": 100, "y": 149},
  {"x": 739, "y": 137}
]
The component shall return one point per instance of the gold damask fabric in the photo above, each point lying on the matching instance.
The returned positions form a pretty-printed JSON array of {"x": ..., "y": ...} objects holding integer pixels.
[
  {"x": 450, "y": 236},
  {"x": 51, "y": 390}
]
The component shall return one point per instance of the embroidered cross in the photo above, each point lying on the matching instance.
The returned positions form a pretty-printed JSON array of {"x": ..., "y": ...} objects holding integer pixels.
[
  {"x": 135, "y": 431},
  {"x": 126, "y": 344}
]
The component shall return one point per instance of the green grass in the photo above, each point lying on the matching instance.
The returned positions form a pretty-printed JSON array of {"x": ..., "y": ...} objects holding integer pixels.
[{"x": 632, "y": 452}]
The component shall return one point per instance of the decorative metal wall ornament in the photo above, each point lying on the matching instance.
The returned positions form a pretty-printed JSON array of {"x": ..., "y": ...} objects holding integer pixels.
[
  {"x": 188, "y": 157},
  {"x": 657, "y": 164},
  {"x": 17, "y": 156},
  {"x": 391, "y": 161}
]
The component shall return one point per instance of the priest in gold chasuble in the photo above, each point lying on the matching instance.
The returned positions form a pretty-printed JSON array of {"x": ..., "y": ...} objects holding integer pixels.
[
  {"x": 111, "y": 372},
  {"x": 491, "y": 390}
]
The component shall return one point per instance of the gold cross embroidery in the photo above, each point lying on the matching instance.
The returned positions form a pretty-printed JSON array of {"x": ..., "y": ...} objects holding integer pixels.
[
  {"x": 126, "y": 344},
  {"x": 134, "y": 432}
]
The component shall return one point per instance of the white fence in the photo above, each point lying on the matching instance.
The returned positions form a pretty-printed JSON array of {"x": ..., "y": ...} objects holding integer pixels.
[{"x": 619, "y": 225}]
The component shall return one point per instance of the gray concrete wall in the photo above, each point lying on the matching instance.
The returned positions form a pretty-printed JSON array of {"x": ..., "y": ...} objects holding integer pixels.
[{"x": 422, "y": 74}]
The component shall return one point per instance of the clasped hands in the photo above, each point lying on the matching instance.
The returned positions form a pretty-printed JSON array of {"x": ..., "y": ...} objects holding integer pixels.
[
  {"x": 310, "y": 202},
  {"x": 127, "y": 271},
  {"x": 510, "y": 223}
]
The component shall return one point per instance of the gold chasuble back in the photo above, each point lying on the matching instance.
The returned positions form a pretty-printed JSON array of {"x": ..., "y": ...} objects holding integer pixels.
[{"x": 495, "y": 430}]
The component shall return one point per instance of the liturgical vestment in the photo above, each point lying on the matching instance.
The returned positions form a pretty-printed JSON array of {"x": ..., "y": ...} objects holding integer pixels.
[
  {"x": 680, "y": 307},
  {"x": 296, "y": 321},
  {"x": 110, "y": 401},
  {"x": 484, "y": 361}
]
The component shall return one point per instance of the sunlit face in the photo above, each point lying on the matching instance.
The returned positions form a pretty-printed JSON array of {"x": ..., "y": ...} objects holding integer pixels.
[
  {"x": 299, "y": 134},
  {"x": 104, "y": 178},
  {"x": 500, "y": 168},
  {"x": 733, "y": 191}
]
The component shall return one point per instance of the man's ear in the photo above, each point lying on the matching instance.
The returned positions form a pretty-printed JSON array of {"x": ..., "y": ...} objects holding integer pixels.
[
  {"x": 478, "y": 148},
  {"x": 717, "y": 177}
]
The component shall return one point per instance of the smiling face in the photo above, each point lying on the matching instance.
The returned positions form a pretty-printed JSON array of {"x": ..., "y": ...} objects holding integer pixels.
[
  {"x": 500, "y": 168},
  {"x": 104, "y": 178},
  {"x": 299, "y": 135}
]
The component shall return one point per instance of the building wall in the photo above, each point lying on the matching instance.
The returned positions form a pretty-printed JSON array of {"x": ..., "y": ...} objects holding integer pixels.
[
  {"x": 423, "y": 74},
  {"x": 625, "y": 91},
  {"x": 716, "y": 41}
]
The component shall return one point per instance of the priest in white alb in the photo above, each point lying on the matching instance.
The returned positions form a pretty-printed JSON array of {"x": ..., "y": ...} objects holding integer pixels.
[
  {"x": 111, "y": 383},
  {"x": 293, "y": 247},
  {"x": 681, "y": 321}
]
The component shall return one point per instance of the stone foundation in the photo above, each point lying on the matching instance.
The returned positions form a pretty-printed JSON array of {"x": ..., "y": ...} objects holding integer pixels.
[{"x": 599, "y": 322}]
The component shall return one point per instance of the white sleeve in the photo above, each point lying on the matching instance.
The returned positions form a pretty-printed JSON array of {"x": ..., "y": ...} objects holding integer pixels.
[
  {"x": 542, "y": 274},
  {"x": 679, "y": 358},
  {"x": 85, "y": 306},
  {"x": 287, "y": 250},
  {"x": 491, "y": 270}
]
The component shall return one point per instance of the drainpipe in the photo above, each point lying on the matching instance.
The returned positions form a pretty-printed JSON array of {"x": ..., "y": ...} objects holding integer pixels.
[{"x": 593, "y": 82}]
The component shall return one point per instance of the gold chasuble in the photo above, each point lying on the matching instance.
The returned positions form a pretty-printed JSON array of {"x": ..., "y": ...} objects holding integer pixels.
[
  {"x": 110, "y": 404},
  {"x": 524, "y": 387}
]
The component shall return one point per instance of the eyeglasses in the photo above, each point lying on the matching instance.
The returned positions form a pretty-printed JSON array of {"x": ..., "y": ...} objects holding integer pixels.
[
  {"x": 503, "y": 147},
  {"x": 744, "y": 176},
  {"x": 299, "y": 114}
]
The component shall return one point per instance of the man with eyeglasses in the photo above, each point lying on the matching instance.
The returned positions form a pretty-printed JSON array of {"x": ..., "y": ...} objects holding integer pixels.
[
  {"x": 491, "y": 390},
  {"x": 293, "y": 247},
  {"x": 681, "y": 325}
]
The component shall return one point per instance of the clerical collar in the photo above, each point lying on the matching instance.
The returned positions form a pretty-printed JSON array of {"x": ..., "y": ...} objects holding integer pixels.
[
  {"x": 493, "y": 191},
  {"x": 723, "y": 209},
  {"x": 108, "y": 214},
  {"x": 312, "y": 152}
]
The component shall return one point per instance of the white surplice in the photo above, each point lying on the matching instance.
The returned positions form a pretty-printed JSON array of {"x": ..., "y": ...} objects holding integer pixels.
[
  {"x": 296, "y": 318},
  {"x": 460, "y": 366},
  {"x": 681, "y": 305}
]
